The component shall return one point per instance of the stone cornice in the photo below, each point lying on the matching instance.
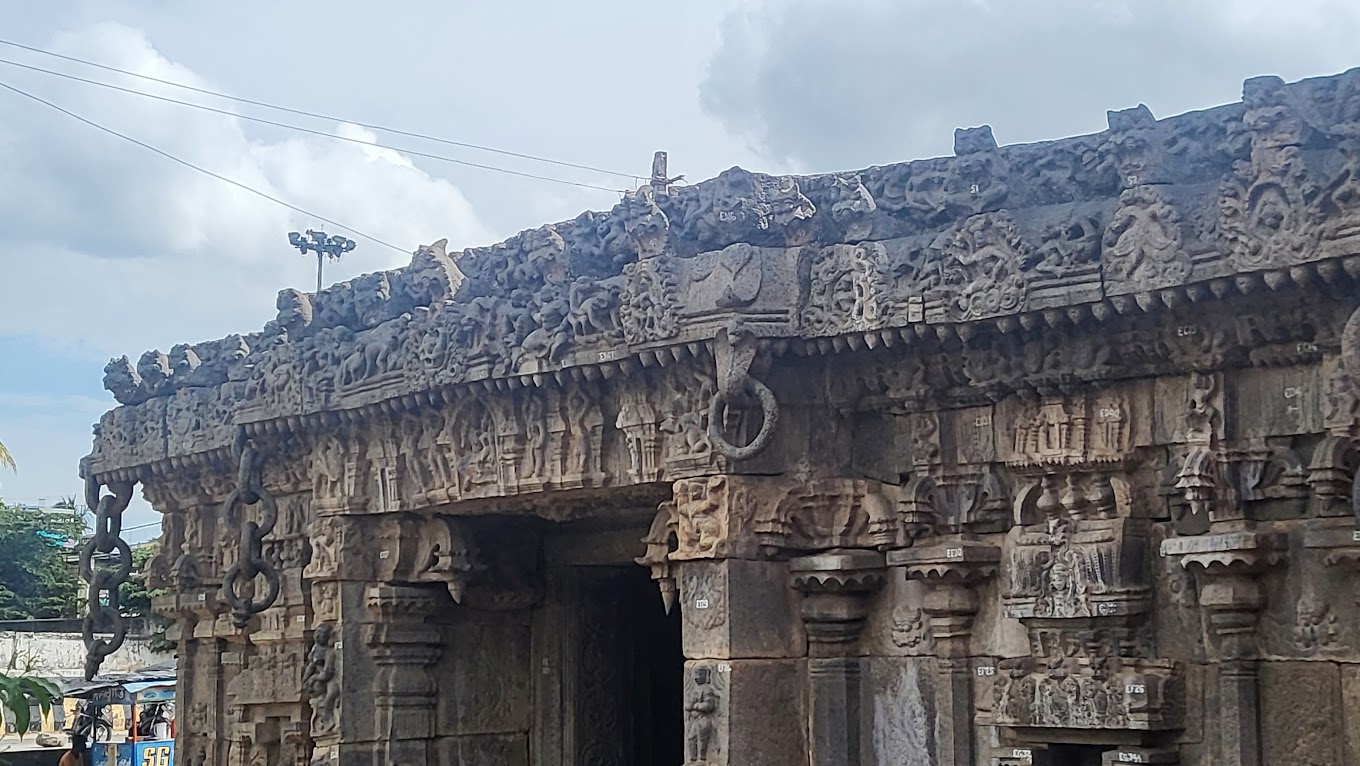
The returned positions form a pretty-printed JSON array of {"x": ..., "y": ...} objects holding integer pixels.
[{"x": 1249, "y": 198}]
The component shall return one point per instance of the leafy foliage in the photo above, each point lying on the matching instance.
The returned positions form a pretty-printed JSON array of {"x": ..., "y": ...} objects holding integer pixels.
[
  {"x": 135, "y": 597},
  {"x": 37, "y": 578},
  {"x": 19, "y": 692}
]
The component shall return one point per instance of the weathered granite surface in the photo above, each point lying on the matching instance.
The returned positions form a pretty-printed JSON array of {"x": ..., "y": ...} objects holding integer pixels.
[{"x": 1033, "y": 454}]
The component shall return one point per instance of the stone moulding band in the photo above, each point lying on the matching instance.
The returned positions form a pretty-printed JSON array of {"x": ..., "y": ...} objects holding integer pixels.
[{"x": 1249, "y": 198}]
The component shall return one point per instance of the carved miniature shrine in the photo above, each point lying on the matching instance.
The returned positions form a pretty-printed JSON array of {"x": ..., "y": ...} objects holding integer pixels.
[{"x": 1036, "y": 454}]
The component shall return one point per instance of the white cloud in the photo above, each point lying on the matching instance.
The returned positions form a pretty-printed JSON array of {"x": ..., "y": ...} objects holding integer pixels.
[
  {"x": 834, "y": 85},
  {"x": 109, "y": 248}
]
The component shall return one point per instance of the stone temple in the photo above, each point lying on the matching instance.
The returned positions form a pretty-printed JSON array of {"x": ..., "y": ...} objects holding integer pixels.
[{"x": 1039, "y": 454}]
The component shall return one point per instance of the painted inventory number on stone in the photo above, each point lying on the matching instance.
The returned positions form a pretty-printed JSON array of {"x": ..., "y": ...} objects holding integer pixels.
[
  {"x": 953, "y": 553},
  {"x": 1022, "y": 754},
  {"x": 1135, "y": 689},
  {"x": 1131, "y": 758},
  {"x": 700, "y": 603},
  {"x": 986, "y": 670}
]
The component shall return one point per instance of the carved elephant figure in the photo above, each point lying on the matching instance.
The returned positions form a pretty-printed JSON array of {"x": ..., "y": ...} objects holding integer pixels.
[{"x": 374, "y": 351}]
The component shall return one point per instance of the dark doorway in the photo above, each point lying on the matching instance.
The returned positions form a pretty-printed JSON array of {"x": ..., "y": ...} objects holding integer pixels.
[
  {"x": 1076, "y": 755},
  {"x": 658, "y": 674},
  {"x": 630, "y": 683}
]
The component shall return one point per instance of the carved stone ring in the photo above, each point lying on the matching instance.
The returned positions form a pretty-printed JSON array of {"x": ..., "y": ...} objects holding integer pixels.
[{"x": 769, "y": 408}]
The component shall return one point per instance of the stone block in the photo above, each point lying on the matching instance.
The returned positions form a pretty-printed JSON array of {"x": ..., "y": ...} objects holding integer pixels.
[
  {"x": 1301, "y": 705},
  {"x": 746, "y": 712},
  {"x": 483, "y": 750},
  {"x": 739, "y": 609},
  {"x": 898, "y": 712},
  {"x": 1350, "y": 704},
  {"x": 484, "y": 680}
]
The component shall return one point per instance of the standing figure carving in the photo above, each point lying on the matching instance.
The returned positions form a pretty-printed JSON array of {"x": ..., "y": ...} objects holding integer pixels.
[
  {"x": 701, "y": 709},
  {"x": 321, "y": 680}
]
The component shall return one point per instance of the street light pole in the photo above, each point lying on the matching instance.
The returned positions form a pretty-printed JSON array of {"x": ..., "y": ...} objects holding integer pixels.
[{"x": 324, "y": 246}]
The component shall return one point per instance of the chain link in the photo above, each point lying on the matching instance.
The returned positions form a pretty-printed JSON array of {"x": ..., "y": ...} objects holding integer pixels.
[
  {"x": 108, "y": 573},
  {"x": 238, "y": 586}
]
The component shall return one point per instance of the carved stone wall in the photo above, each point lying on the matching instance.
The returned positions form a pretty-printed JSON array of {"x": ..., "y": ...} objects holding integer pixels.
[{"x": 1033, "y": 454}]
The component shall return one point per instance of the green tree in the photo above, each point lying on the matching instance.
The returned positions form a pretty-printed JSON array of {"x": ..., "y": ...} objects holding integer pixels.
[
  {"x": 37, "y": 577},
  {"x": 6, "y": 459},
  {"x": 135, "y": 597}
]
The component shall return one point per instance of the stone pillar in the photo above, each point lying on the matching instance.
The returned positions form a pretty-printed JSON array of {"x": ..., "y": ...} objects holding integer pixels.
[
  {"x": 952, "y": 568},
  {"x": 403, "y": 647},
  {"x": 1226, "y": 565},
  {"x": 743, "y": 642},
  {"x": 743, "y": 646},
  {"x": 836, "y": 587}
]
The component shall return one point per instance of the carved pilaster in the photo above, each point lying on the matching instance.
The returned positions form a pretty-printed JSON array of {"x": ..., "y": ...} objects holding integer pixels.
[
  {"x": 1226, "y": 565},
  {"x": 836, "y": 587},
  {"x": 403, "y": 647},
  {"x": 952, "y": 568}
]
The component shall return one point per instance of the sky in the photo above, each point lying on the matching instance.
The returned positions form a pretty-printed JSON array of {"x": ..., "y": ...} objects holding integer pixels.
[{"x": 107, "y": 248}]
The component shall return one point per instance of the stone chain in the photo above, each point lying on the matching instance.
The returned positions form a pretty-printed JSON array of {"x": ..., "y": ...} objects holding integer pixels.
[
  {"x": 105, "y": 576},
  {"x": 238, "y": 586},
  {"x": 733, "y": 353}
]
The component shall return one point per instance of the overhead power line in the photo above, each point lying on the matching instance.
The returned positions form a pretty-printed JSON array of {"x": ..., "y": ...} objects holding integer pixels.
[
  {"x": 302, "y": 129},
  {"x": 203, "y": 170},
  {"x": 319, "y": 116}
]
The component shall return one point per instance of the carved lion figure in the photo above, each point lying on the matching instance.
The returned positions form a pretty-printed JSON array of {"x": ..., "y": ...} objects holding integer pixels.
[{"x": 121, "y": 380}]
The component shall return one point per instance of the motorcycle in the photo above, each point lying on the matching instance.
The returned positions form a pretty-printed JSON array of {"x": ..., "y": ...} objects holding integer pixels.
[{"x": 92, "y": 722}]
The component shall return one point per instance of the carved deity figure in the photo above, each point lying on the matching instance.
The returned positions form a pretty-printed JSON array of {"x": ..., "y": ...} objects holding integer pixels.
[
  {"x": 478, "y": 464},
  {"x": 535, "y": 439},
  {"x": 701, "y": 708},
  {"x": 321, "y": 680},
  {"x": 328, "y": 470},
  {"x": 1143, "y": 242},
  {"x": 591, "y": 307},
  {"x": 702, "y": 529},
  {"x": 1065, "y": 587}
]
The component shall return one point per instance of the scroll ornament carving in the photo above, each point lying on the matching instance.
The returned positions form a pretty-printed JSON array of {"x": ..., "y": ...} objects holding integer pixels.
[
  {"x": 971, "y": 499},
  {"x": 1263, "y": 213},
  {"x": 444, "y": 554},
  {"x": 661, "y": 540},
  {"x": 648, "y": 309},
  {"x": 849, "y": 290},
  {"x": 1143, "y": 245},
  {"x": 982, "y": 273},
  {"x": 826, "y": 514}
]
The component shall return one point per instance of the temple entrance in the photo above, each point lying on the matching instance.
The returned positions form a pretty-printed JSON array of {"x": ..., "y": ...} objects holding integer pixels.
[
  {"x": 630, "y": 678},
  {"x": 658, "y": 673}
]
